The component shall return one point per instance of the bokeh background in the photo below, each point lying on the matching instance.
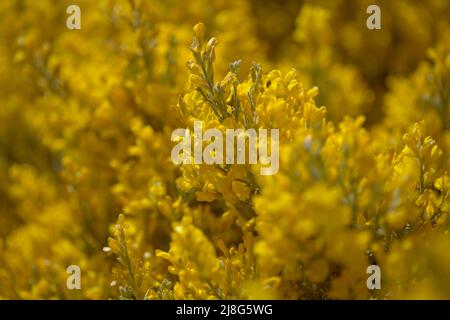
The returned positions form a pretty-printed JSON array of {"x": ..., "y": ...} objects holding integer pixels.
[{"x": 85, "y": 172}]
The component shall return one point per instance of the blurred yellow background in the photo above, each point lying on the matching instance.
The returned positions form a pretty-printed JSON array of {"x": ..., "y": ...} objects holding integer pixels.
[{"x": 85, "y": 172}]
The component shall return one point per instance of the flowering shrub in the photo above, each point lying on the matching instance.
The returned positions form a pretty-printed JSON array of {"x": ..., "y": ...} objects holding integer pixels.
[{"x": 86, "y": 176}]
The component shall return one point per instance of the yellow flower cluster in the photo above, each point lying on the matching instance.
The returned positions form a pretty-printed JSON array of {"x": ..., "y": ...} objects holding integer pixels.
[{"x": 86, "y": 176}]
